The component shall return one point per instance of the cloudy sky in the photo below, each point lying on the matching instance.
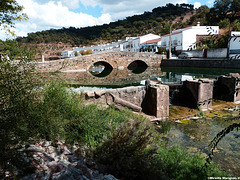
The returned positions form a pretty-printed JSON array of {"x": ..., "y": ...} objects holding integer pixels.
[{"x": 47, "y": 14}]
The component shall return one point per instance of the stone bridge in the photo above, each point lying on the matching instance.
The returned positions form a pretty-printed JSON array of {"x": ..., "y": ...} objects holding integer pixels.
[
  {"x": 116, "y": 60},
  {"x": 118, "y": 77}
]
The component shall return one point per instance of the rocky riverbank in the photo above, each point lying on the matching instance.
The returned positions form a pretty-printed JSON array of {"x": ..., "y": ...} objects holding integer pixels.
[{"x": 58, "y": 161}]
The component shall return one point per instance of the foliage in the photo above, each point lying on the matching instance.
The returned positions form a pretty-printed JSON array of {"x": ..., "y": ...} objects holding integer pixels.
[
  {"x": 17, "y": 97},
  {"x": 131, "y": 150},
  {"x": 57, "y": 106},
  {"x": 129, "y": 153},
  {"x": 236, "y": 25},
  {"x": 93, "y": 124},
  {"x": 200, "y": 16},
  {"x": 179, "y": 164},
  {"x": 76, "y": 54},
  {"x": 62, "y": 114},
  {"x": 213, "y": 41},
  {"x": 134, "y": 152},
  {"x": 10, "y": 11},
  {"x": 224, "y": 23},
  {"x": 17, "y": 50},
  {"x": 162, "y": 50},
  {"x": 88, "y": 51}
]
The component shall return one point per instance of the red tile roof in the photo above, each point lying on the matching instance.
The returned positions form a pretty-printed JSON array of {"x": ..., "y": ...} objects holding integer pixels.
[
  {"x": 152, "y": 41},
  {"x": 172, "y": 33}
]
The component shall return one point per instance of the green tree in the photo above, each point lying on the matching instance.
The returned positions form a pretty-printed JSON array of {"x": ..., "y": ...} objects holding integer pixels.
[
  {"x": 226, "y": 9},
  {"x": 10, "y": 11},
  {"x": 224, "y": 23}
]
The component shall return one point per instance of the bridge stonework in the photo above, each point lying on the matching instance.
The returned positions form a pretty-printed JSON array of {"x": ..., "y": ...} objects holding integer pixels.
[{"x": 117, "y": 60}]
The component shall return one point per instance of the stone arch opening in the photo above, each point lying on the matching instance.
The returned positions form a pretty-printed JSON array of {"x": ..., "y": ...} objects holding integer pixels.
[
  {"x": 137, "y": 66},
  {"x": 100, "y": 69}
]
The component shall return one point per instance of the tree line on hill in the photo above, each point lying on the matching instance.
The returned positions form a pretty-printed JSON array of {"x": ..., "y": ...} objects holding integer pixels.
[
  {"x": 157, "y": 22},
  {"x": 223, "y": 13}
]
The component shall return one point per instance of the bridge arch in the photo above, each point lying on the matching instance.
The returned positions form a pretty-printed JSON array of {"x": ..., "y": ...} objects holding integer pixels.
[
  {"x": 137, "y": 66},
  {"x": 100, "y": 69}
]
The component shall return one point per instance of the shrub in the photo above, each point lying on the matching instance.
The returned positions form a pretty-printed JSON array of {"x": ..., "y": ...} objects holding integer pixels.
[
  {"x": 181, "y": 164},
  {"x": 130, "y": 152},
  {"x": 93, "y": 124},
  {"x": 17, "y": 98},
  {"x": 58, "y": 105},
  {"x": 88, "y": 51}
]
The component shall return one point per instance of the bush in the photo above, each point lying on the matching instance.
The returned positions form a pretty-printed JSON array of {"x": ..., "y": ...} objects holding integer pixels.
[
  {"x": 88, "y": 51},
  {"x": 57, "y": 107},
  {"x": 129, "y": 153},
  {"x": 181, "y": 164},
  {"x": 17, "y": 98},
  {"x": 94, "y": 124}
]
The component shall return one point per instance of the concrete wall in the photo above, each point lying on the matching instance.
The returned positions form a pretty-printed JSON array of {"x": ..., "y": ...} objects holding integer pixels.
[
  {"x": 217, "y": 53},
  {"x": 197, "y": 53},
  {"x": 211, "y": 53},
  {"x": 204, "y": 63}
]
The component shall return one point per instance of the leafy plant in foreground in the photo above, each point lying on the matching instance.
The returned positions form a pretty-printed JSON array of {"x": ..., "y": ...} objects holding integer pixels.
[
  {"x": 130, "y": 152},
  {"x": 17, "y": 97}
]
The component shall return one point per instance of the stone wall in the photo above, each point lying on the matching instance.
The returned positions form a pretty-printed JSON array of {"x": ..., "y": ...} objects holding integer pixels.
[
  {"x": 201, "y": 91},
  {"x": 117, "y": 60},
  {"x": 227, "y": 88},
  {"x": 152, "y": 99}
]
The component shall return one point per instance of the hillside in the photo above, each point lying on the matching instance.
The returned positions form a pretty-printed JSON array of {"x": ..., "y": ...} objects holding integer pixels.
[
  {"x": 157, "y": 22},
  {"x": 51, "y": 42}
]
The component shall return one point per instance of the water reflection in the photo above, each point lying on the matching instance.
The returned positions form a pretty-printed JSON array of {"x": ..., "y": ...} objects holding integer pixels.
[
  {"x": 102, "y": 75},
  {"x": 117, "y": 77},
  {"x": 137, "y": 67},
  {"x": 101, "y": 69}
]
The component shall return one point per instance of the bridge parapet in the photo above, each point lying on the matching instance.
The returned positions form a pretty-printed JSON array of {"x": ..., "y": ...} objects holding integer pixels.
[{"x": 115, "y": 59}]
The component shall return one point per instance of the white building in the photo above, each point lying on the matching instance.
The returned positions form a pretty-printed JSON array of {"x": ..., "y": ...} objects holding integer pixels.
[
  {"x": 186, "y": 38},
  {"x": 133, "y": 44},
  {"x": 67, "y": 54},
  {"x": 234, "y": 45},
  {"x": 114, "y": 46},
  {"x": 151, "y": 45}
]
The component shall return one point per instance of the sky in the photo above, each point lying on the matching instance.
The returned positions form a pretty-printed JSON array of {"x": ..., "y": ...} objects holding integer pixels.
[{"x": 55, "y": 14}]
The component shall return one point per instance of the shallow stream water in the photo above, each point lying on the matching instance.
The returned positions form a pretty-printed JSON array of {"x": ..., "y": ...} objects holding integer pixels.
[{"x": 196, "y": 136}]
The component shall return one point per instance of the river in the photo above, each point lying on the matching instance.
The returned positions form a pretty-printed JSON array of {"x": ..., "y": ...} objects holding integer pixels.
[{"x": 194, "y": 135}]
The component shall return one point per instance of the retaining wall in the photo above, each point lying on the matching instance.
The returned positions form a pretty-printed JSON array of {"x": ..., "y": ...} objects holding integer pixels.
[{"x": 203, "y": 63}]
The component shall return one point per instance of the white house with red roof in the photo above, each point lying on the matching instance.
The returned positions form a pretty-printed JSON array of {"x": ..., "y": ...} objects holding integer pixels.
[
  {"x": 186, "y": 38},
  {"x": 150, "y": 45},
  {"x": 133, "y": 44}
]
